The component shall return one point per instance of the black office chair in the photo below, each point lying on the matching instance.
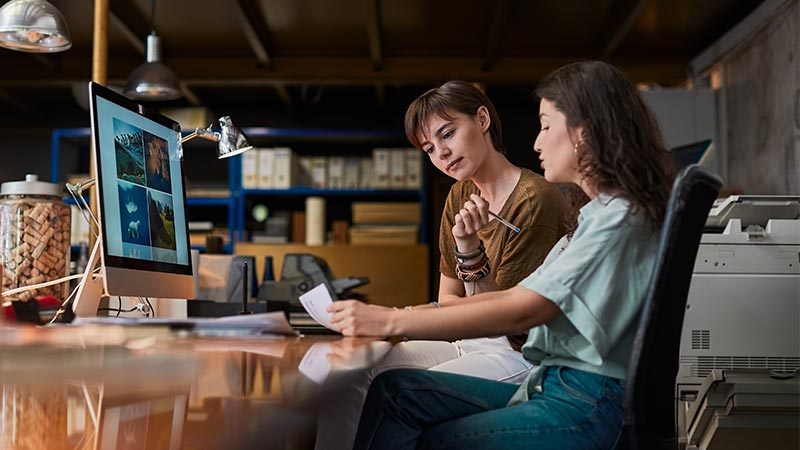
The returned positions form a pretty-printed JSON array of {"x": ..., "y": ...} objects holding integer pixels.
[{"x": 650, "y": 418}]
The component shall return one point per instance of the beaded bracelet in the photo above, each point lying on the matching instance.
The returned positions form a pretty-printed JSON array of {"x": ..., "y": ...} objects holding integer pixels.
[
  {"x": 466, "y": 277},
  {"x": 461, "y": 257}
]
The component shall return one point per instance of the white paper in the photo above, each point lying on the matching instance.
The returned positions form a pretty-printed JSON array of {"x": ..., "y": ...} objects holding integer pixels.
[
  {"x": 316, "y": 303},
  {"x": 317, "y": 366},
  {"x": 315, "y": 363},
  {"x": 272, "y": 322}
]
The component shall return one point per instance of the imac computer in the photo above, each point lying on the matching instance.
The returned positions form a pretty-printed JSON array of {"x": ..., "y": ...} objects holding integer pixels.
[{"x": 144, "y": 239}]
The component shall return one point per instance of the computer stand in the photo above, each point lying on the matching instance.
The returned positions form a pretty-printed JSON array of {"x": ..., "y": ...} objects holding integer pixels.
[{"x": 90, "y": 286}]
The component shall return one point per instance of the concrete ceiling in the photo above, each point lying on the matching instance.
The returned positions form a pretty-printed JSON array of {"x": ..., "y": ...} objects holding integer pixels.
[{"x": 285, "y": 59}]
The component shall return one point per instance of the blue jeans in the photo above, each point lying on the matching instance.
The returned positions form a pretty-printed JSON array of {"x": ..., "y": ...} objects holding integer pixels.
[{"x": 409, "y": 408}]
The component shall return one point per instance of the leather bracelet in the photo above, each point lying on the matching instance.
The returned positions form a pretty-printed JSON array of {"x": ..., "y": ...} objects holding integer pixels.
[
  {"x": 466, "y": 256},
  {"x": 466, "y": 277},
  {"x": 473, "y": 267}
]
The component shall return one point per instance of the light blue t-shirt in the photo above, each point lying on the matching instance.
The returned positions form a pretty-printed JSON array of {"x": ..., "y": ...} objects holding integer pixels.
[{"x": 599, "y": 280}]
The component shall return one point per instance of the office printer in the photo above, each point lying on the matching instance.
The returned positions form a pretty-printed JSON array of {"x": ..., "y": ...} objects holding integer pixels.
[
  {"x": 300, "y": 273},
  {"x": 743, "y": 307}
]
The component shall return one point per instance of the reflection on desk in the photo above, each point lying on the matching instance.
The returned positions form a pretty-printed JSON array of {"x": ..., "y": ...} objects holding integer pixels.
[{"x": 115, "y": 388}]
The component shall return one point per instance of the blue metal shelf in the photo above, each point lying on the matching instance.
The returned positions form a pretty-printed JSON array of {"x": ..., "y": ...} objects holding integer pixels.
[
  {"x": 322, "y": 133},
  {"x": 301, "y": 191},
  {"x": 71, "y": 201},
  {"x": 209, "y": 201}
]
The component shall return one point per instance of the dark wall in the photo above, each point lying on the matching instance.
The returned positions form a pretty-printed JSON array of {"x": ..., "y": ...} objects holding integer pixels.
[{"x": 24, "y": 152}]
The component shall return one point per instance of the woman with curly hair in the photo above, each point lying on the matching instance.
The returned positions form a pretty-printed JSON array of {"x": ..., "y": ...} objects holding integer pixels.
[
  {"x": 579, "y": 307},
  {"x": 458, "y": 128}
]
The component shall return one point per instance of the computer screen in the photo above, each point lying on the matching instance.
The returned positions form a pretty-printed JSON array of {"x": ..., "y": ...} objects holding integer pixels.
[
  {"x": 696, "y": 153},
  {"x": 142, "y": 201}
]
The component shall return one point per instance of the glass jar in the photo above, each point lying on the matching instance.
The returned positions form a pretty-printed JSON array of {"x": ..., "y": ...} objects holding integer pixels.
[{"x": 34, "y": 237}]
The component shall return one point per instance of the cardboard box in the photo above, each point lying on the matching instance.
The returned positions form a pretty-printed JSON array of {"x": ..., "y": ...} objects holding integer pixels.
[
  {"x": 386, "y": 213},
  {"x": 384, "y": 235}
]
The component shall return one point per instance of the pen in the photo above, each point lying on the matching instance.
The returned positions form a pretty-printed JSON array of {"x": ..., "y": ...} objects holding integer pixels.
[{"x": 505, "y": 222}]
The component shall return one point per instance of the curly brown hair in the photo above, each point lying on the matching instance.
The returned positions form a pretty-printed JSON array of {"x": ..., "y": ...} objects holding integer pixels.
[
  {"x": 454, "y": 96},
  {"x": 622, "y": 152}
]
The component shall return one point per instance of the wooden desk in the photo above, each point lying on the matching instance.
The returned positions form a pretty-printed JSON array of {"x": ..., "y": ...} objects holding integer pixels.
[{"x": 110, "y": 387}]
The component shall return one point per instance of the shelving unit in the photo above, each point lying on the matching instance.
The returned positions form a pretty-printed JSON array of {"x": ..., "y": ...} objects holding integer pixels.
[
  {"x": 329, "y": 142},
  {"x": 324, "y": 141}
]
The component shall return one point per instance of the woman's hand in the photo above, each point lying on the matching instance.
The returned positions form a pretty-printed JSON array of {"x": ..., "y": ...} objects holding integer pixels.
[
  {"x": 472, "y": 217},
  {"x": 354, "y": 318},
  {"x": 354, "y": 352}
]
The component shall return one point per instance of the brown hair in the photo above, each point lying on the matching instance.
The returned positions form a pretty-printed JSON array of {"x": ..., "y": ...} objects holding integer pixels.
[
  {"x": 452, "y": 97},
  {"x": 621, "y": 151}
]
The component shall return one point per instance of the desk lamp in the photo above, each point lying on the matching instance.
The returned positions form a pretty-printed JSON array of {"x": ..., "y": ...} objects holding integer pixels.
[
  {"x": 34, "y": 26},
  {"x": 231, "y": 140}
]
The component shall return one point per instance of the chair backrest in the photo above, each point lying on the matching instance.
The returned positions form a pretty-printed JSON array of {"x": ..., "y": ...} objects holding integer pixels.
[{"x": 650, "y": 386}]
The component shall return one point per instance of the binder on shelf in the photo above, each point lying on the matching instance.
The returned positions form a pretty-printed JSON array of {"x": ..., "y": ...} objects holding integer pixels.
[
  {"x": 380, "y": 159},
  {"x": 366, "y": 178},
  {"x": 351, "y": 171},
  {"x": 304, "y": 171},
  {"x": 319, "y": 172},
  {"x": 285, "y": 168},
  {"x": 336, "y": 172},
  {"x": 265, "y": 164},
  {"x": 250, "y": 170},
  {"x": 397, "y": 168},
  {"x": 413, "y": 168}
]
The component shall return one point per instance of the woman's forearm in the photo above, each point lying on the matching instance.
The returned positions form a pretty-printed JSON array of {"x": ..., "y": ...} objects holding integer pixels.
[{"x": 491, "y": 314}]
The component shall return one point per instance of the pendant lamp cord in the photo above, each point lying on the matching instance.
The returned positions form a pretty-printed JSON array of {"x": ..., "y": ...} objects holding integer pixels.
[{"x": 152, "y": 16}]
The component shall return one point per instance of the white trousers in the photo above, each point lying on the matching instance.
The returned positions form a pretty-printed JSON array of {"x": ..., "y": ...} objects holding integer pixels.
[{"x": 490, "y": 358}]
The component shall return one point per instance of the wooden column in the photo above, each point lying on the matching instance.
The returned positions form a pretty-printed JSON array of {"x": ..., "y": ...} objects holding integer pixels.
[{"x": 99, "y": 75}]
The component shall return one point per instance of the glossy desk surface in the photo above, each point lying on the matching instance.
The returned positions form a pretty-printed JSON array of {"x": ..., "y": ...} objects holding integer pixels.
[{"x": 109, "y": 387}]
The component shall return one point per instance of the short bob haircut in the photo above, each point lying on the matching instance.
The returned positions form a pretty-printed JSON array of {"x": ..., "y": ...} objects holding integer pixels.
[{"x": 452, "y": 97}]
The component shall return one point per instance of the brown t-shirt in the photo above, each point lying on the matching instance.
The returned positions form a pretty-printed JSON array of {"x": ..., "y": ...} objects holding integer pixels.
[{"x": 536, "y": 206}]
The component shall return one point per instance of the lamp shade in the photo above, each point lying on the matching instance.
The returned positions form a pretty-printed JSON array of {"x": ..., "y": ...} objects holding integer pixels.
[
  {"x": 33, "y": 26},
  {"x": 232, "y": 140},
  {"x": 153, "y": 81}
]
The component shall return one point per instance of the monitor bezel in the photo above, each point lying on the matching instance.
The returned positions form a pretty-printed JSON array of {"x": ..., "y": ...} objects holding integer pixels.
[
  {"x": 707, "y": 147},
  {"x": 137, "y": 267}
]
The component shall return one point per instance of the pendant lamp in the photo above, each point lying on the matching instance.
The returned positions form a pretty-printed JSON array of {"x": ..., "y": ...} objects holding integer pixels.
[
  {"x": 153, "y": 81},
  {"x": 34, "y": 26}
]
